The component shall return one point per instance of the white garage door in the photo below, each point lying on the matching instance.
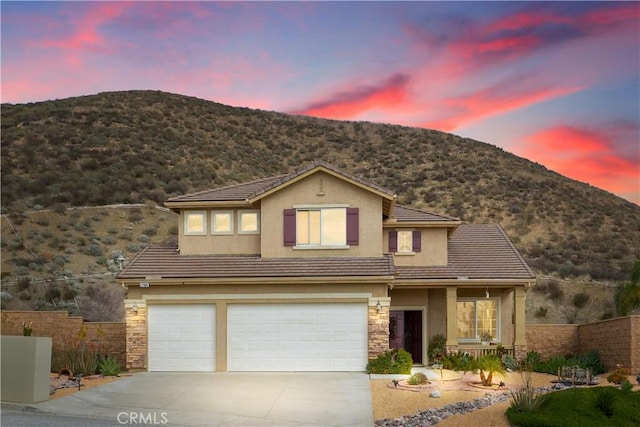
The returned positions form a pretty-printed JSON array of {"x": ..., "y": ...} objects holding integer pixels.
[
  {"x": 297, "y": 337},
  {"x": 182, "y": 337}
]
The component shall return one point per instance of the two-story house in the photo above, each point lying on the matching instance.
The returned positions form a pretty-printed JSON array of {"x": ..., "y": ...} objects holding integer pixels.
[{"x": 317, "y": 270}]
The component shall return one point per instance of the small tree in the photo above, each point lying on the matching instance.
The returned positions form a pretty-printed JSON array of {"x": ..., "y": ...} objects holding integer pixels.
[
  {"x": 491, "y": 364},
  {"x": 102, "y": 303}
]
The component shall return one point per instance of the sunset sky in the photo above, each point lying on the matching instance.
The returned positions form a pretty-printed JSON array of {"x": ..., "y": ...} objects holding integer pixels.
[{"x": 555, "y": 82}]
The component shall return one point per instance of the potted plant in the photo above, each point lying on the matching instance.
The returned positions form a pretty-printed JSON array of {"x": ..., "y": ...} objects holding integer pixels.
[{"x": 486, "y": 338}]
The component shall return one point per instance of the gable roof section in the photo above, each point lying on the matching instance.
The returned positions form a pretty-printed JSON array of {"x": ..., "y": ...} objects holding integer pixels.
[
  {"x": 410, "y": 214},
  {"x": 476, "y": 251},
  {"x": 255, "y": 190},
  {"x": 164, "y": 261}
]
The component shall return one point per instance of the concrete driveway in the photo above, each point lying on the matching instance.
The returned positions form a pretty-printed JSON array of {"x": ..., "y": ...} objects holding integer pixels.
[{"x": 226, "y": 399}]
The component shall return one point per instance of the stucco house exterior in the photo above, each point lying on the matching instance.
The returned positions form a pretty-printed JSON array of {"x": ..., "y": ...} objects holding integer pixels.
[{"x": 317, "y": 270}]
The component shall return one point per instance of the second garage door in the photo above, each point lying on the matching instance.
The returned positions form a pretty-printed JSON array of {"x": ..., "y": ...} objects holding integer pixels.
[{"x": 297, "y": 337}]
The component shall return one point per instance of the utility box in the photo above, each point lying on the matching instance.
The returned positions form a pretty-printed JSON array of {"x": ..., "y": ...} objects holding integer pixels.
[{"x": 26, "y": 368}]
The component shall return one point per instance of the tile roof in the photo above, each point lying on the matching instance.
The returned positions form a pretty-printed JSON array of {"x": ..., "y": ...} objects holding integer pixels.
[
  {"x": 476, "y": 251},
  {"x": 410, "y": 214},
  {"x": 165, "y": 261},
  {"x": 255, "y": 188}
]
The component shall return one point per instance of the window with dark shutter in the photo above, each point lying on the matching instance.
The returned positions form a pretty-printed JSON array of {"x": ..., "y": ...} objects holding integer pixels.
[
  {"x": 289, "y": 227},
  {"x": 417, "y": 241},
  {"x": 353, "y": 224},
  {"x": 393, "y": 241}
]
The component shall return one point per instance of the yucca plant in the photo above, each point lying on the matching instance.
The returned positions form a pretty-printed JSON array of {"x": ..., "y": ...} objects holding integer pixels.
[
  {"x": 109, "y": 367},
  {"x": 527, "y": 399}
]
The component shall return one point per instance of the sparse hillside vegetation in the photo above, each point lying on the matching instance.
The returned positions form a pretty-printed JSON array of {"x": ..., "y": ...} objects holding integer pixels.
[{"x": 145, "y": 146}]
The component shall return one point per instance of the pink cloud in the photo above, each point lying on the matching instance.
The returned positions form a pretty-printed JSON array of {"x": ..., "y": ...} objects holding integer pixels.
[
  {"x": 390, "y": 93},
  {"x": 585, "y": 155}
]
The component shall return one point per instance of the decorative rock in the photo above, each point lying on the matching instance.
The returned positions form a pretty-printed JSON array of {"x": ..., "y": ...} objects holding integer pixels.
[{"x": 435, "y": 393}]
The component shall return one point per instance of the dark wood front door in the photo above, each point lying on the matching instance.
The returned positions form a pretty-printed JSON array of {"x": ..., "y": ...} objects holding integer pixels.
[{"x": 413, "y": 334}]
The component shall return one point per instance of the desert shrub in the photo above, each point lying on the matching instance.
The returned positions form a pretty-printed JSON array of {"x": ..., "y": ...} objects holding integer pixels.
[
  {"x": 580, "y": 299},
  {"x": 112, "y": 230},
  {"x": 618, "y": 376},
  {"x": 94, "y": 250},
  {"x": 437, "y": 345},
  {"x": 391, "y": 362},
  {"x": 554, "y": 291},
  {"x": 417, "y": 379},
  {"x": 109, "y": 366},
  {"x": 541, "y": 312},
  {"x": 52, "y": 293},
  {"x": 626, "y": 386},
  {"x": 143, "y": 238},
  {"x": 109, "y": 240},
  {"x": 76, "y": 354},
  {"x": 24, "y": 296},
  {"x": 458, "y": 361},
  {"x": 23, "y": 283},
  {"x": 604, "y": 400},
  {"x": 102, "y": 303},
  {"x": 150, "y": 231},
  {"x": 527, "y": 399},
  {"x": 509, "y": 362},
  {"x": 135, "y": 215},
  {"x": 132, "y": 247}
]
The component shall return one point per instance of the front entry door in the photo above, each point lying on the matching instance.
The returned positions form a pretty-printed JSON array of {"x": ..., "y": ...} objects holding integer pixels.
[{"x": 405, "y": 331}]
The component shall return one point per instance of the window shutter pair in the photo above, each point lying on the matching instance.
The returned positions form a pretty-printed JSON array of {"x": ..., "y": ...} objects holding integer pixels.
[
  {"x": 393, "y": 241},
  {"x": 353, "y": 227}
]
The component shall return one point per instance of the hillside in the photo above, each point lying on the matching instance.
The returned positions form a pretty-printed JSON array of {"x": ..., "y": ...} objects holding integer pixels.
[{"x": 140, "y": 146}]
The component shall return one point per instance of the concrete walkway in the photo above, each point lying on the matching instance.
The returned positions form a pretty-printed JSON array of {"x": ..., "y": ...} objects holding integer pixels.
[{"x": 226, "y": 399}]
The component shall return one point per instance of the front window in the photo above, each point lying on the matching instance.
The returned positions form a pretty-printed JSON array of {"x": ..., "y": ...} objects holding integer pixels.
[
  {"x": 195, "y": 222},
  {"x": 477, "y": 317},
  {"x": 321, "y": 227},
  {"x": 248, "y": 222}
]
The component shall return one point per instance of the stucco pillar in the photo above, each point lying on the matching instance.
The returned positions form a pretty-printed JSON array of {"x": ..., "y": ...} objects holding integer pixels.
[
  {"x": 519, "y": 308},
  {"x": 452, "y": 318}
]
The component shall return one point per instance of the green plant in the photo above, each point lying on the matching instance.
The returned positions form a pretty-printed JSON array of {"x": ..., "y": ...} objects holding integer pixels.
[
  {"x": 492, "y": 365},
  {"x": 527, "y": 399},
  {"x": 417, "y": 379},
  {"x": 76, "y": 354},
  {"x": 458, "y": 361},
  {"x": 509, "y": 362},
  {"x": 109, "y": 366},
  {"x": 486, "y": 336},
  {"x": 391, "y": 362},
  {"x": 437, "y": 346},
  {"x": 604, "y": 400},
  {"x": 27, "y": 328},
  {"x": 626, "y": 386}
]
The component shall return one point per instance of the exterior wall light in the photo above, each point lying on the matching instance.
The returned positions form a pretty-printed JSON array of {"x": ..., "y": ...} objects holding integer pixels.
[
  {"x": 135, "y": 309},
  {"x": 378, "y": 306}
]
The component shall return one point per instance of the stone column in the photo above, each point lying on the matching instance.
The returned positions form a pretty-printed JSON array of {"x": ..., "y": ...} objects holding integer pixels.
[
  {"x": 136, "y": 325},
  {"x": 378, "y": 317},
  {"x": 452, "y": 319}
]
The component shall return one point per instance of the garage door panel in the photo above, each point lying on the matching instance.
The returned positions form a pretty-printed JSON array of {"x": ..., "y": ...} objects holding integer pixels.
[
  {"x": 303, "y": 337},
  {"x": 181, "y": 337}
]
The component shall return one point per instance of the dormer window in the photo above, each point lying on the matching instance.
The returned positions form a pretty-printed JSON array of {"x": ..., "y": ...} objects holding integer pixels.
[
  {"x": 195, "y": 222},
  {"x": 405, "y": 242},
  {"x": 222, "y": 222},
  {"x": 248, "y": 222}
]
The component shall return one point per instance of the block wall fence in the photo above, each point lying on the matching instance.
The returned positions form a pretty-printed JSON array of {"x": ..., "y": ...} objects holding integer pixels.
[
  {"x": 617, "y": 340},
  {"x": 110, "y": 336}
]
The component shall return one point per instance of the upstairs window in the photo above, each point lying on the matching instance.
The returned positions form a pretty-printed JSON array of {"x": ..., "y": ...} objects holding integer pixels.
[
  {"x": 248, "y": 222},
  {"x": 328, "y": 227},
  {"x": 222, "y": 222},
  {"x": 405, "y": 241},
  {"x": 195, "y": 222}
]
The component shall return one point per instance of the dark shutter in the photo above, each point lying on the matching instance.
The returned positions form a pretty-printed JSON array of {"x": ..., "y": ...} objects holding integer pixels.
[
  {"x": 393, "y": 241},
  {"x": 353, "y": 225},
  {"x": 289, "y": 227},
  {"x": 417, "y": 241}
]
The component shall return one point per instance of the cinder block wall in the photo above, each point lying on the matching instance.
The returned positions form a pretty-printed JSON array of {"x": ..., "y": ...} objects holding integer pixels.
[
  {"x": 617, "y": 340},
  {"x": 552, "y": 340},
  {"x": 58, "y": 325}
]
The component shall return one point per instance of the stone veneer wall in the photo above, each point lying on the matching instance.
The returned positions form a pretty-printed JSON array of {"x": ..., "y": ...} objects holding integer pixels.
[
  {"x": 109, "y": 336},
  {"x": 378, "y": 331},
  {"x": 616, "y": 340},
  {"x": 136, "y": 337}
]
